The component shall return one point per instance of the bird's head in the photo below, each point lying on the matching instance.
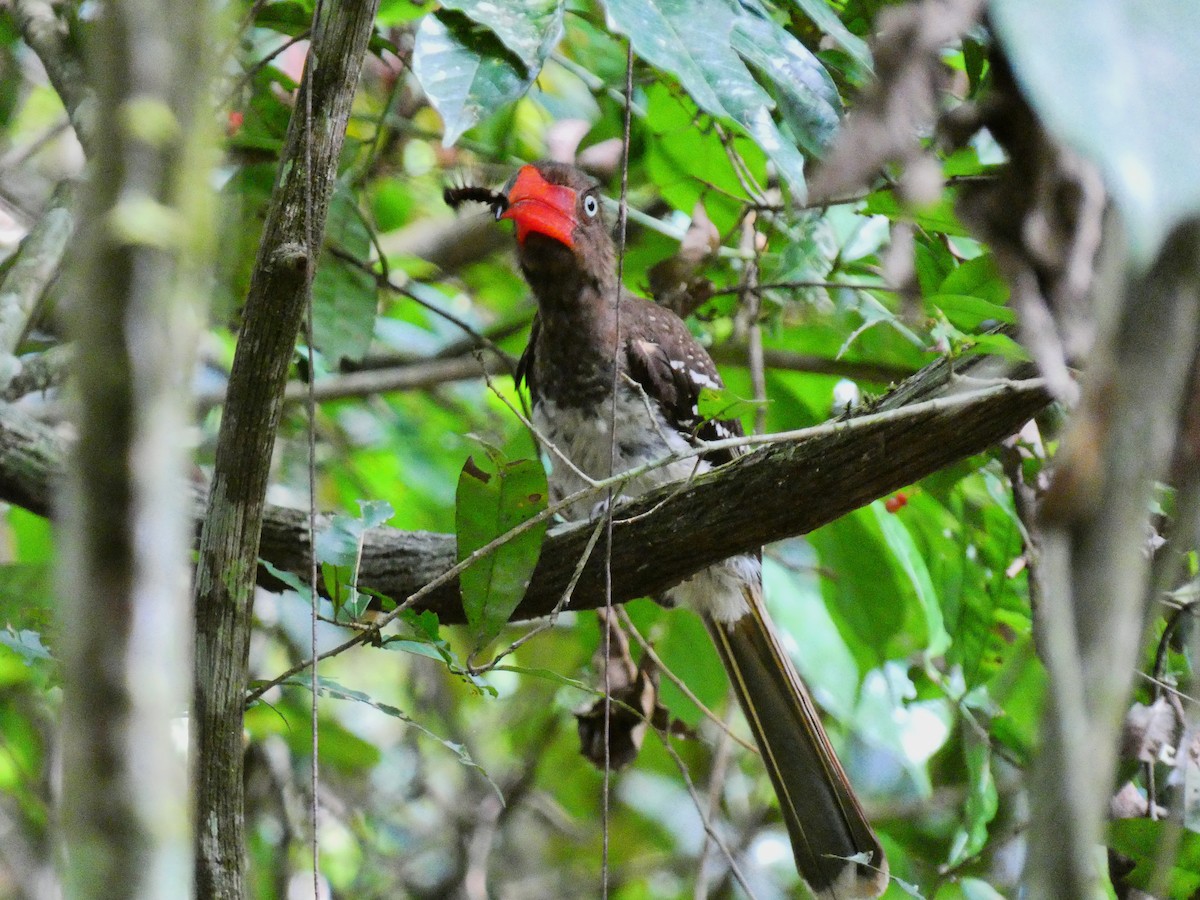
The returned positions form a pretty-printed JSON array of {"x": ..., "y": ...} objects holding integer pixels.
[{"x": 560, "y": 223}]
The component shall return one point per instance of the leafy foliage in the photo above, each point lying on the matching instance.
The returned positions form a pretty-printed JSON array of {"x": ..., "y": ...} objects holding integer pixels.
[
  {"x": 490, "y": 503},
  {"x": 911, "y": 621}
]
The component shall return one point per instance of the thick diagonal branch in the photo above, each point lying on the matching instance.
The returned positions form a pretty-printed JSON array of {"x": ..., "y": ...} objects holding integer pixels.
[{"x": 782, "y": 490}]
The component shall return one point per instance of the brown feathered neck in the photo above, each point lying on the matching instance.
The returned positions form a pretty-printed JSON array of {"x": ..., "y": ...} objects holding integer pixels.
[
  {"x": 563, "y": 245},
  {"x": 568, "y": 259}
]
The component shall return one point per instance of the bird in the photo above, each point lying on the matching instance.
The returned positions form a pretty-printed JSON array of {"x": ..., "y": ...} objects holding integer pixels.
[{"x": 614, "y": 382}]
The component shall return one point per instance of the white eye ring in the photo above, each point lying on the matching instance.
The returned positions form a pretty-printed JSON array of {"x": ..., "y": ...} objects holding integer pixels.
[{"x": 591, "y": 206}]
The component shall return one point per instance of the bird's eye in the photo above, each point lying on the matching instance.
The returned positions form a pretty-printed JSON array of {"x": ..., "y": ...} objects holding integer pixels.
[{"x": 591, "y": 206}]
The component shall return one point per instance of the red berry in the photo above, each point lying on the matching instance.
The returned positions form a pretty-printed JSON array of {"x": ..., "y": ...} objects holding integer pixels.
[
  {"x": 896, "y": 502},
  {"x": 234, "y": 124}
]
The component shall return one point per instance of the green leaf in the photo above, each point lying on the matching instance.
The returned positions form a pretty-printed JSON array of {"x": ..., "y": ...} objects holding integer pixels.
[
  {"x": 981, "y": 803},
  {"x": 395, "y": 12},
  {"x": 356, "y": 604},
  {"x": 978, "y": 277},
  {"x": 1142, "y": 841},
  {"x": 26, "y": 644},
  {"x": 693, "y": 40},
  {"x": 967, "y": 313},
  {"x": 1020, "y": 689},
  {"x": 337, "y": 543},
  {"x": 27, "y": 598},
  {"x": 419, "y": 648},
  {"x": 906, "y": 553},
  {"x": 687, "y": 162},
  {"x": 375, "y": 512},
  {"x": 530, "y": 29},
  {"x": 424, "y": 623},
  {"x": 294, "y": 19},
  {"x": 490, "y": 502},
  {"x": 722, "y": 403},
  {"x": 868, "y": 593},
  {"x": 288, "y": 17},
  {"x": 290, "y": 579},
  {"x": 1116, "y": 80},
  {"x": 825, "y": 18},
  {"x": 338, "y": 547},
  {"x": 344, "y": 293},
  {"x": 465, "y": 70},
  {"x": 808, "y": 99},
  {"x": 939, "y": 217},
  {"x": 999, "y": 345}
]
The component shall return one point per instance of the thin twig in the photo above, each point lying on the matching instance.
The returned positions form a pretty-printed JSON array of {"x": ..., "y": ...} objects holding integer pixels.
[
  {"x": 261, "y": 64},
  {"x": 541, "y": 438},
  {"x": 622, "y": 218},
  {"x": 798, "y": 285},
  {"x": 648, "y": 649},
  {"x": 310, "y": 230},
  {"x": 552, "y": 618},
  {"x": 385, "y": 281},
  {"x": 704, "y": 820}
]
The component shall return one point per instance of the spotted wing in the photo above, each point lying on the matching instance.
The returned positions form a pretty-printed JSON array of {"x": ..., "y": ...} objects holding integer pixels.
[{"x": 672, "y": 368}]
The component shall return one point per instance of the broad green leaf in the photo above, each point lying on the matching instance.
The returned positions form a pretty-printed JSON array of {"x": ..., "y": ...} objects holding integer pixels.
[
  {"x": 338, "y": 547},
  {"x": 999, "y": 345},
  {"x": 375, "y": 512},
  {"x": 967, "y": 313},
  {"x": 426, "y": 641},
  {"x": 909, "y": 558},
  {"x": 867, "y": 591},
  {"x": 465, "y": 71},
  {"x": 693, "y": 40},
  {"x": 982, "y": 800},
  {"x": 939, "y": 218},
  {"x": 685, "y": 647},
  {"x": 1142, "y": 841},
  {"x": 287, "y": 17},
  {"x": 807, "y": 97},
  {"x": 1117, "y": 80},
  {"x": 337, "y": 542},
  {"x": 1020, "y": 689},
  {"x": 688, "y": 163},
  {"x": 978, "y": 277},
  {"x": 294, "y": 19},
  {"x": 27, "y": 598},
  {"x": 490, "y": 502},
  {"x": 793, "y": 592},
  {"x": 530, "y": 29},
  {"x": 824, "y": 17},
  {"x": 344, "y": 293},
  {"x": 424, "y": 623},
  {"x": 356, "y": 604},
  {"x": 420, "y": 648}
]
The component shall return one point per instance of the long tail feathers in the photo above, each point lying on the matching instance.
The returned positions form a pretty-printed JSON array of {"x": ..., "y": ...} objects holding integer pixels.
[{"x": 824, "y": 820}]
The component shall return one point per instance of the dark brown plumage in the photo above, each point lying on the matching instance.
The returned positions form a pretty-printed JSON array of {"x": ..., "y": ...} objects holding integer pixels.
[{"x": 587, "y": 328}]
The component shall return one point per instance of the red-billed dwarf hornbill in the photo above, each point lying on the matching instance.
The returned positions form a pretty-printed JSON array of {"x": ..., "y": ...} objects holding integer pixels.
[{"x": 568, "y": 258}]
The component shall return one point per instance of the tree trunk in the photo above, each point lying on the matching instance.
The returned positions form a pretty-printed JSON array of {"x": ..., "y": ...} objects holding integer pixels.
[
  {"x": 126, "y": 515},
  {"x": 229, "y": 540}
]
